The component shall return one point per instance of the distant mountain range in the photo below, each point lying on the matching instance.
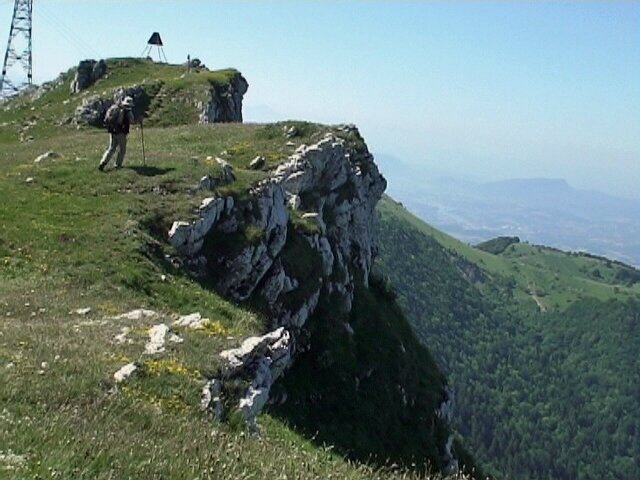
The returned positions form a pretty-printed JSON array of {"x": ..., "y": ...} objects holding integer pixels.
[{"x": 538, "y": 210}]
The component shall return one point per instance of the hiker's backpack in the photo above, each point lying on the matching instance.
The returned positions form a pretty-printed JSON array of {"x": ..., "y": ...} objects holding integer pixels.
[{"x": 111, "y": 118}]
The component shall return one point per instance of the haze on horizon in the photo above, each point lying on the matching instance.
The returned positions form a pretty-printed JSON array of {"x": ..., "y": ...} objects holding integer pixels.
[{"x": 482, "y": 90}]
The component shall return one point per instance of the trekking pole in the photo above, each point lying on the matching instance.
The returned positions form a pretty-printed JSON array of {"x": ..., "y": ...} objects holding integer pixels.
[{"x": 144, "y": 158}]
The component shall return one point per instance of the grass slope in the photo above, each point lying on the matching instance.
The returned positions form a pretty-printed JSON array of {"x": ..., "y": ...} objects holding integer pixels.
[
  {"x": 540, "y": 394},
  {"x": 71, "y": 238},
  {"x": 556, "y": 277}
]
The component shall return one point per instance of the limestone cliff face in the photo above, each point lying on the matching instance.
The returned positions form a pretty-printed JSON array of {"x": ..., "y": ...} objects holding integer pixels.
[
  {"x": 304, "y": 234},
  {"x": 88, "y": 72},
  {"x": 225, "y": 102},
  {"x": 332, "y": 188},
  {"x": 316, "y": 210}
]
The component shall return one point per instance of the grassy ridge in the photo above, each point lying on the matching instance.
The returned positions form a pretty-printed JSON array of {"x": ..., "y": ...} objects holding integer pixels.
[
  {"x": 557, "y": 278},
  {"x": 71, "y": 238}
]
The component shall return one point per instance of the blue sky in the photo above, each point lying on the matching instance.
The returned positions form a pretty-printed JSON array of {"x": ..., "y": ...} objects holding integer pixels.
[{"x": 484, "y": 90}]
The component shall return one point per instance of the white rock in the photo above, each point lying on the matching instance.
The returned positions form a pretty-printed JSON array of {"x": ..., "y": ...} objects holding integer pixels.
[
  {"x": 122, "y": 337},
  {"x": 82, "y": 311},
  {"x": 173, "y": 338},
  {"x": 253, "y": 346},
  {"x": 125, "y": 372},
  {"x": 193, "y": 320},
  {"x": 157, "y": 338},
  {"x": 137, "y": 314},
  {"x": 268, "y": 356},
  {"x": 46, "y": 156}
]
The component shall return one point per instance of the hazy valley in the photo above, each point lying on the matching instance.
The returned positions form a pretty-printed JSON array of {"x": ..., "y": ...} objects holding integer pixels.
[{"x": 540, "y": 211}]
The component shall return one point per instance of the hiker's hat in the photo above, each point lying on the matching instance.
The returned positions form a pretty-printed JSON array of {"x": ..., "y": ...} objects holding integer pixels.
[{"x": 127, "y": 102}]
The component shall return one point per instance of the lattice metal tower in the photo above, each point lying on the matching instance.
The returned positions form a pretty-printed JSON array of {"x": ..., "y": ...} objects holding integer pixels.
[{"x": 17, "y": 59}]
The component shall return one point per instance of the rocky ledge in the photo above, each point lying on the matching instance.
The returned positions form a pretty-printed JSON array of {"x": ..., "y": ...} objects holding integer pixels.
[{"x": 312, "y": 226}]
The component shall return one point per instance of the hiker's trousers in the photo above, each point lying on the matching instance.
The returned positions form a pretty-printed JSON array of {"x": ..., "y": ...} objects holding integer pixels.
[{"x": 118, "y": 142}]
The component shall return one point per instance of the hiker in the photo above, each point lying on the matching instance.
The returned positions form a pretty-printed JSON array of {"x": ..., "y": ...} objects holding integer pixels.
[{"x": 117, "y": 120}]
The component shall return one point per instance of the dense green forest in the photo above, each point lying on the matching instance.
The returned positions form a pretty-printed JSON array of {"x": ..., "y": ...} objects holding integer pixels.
[{"x": 546, "y": 374}]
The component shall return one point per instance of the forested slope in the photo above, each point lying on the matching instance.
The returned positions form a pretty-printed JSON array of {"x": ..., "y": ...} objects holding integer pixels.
[{"x": 541, "y": 352}]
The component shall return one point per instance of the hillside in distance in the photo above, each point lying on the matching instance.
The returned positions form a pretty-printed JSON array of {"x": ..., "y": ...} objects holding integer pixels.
[
  {"x": 542, "y": 211},
  {"x": 540, "y": 346}
]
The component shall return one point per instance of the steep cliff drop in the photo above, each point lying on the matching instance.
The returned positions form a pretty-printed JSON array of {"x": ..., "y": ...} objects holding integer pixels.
[
  {"x": 332, "y": 189},
  {"x": 306, "y": 265}
]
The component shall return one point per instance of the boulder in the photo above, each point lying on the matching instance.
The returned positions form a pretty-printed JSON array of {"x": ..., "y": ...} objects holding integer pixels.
[
  {"x": 263, "y": 359},
  {"x": 125, "y": 372},
  {"x": 137, "y": 314},
  {"x": 157, "y": 339},
  {"x": 193, "y": 321}
]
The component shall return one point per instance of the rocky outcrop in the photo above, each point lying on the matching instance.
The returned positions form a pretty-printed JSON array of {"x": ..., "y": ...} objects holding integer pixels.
[
  {"x": 188, "y": 238},
  {"x": 93, "y": 109},
  {"x": 301, "y": 240},
  {"x": 225, "y": 101},
  {"x": 264, "y": 358},
  {"x": 88, "y": 73},
  {"x": 332, "y": 188}
]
